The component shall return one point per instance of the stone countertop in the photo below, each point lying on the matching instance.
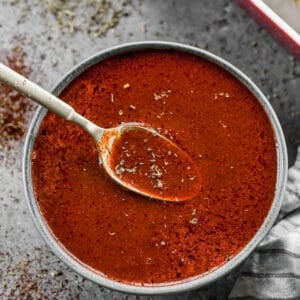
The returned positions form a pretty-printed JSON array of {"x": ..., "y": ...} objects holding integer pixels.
[{"x": 52, "y": 42}]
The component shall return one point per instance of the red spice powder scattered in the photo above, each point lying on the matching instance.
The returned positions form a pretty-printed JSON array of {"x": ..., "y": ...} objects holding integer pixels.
[{"x": 15, "y": 109}]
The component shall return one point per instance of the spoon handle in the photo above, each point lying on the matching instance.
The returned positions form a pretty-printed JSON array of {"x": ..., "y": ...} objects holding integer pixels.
[{"x": 41, "y": 96}]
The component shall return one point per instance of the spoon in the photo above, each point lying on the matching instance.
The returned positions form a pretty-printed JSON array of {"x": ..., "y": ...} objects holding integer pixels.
[{"x": 110, "y": 139}]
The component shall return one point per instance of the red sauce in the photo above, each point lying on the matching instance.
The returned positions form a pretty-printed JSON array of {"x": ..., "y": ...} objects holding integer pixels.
[
  {"x": 154, "y": 165},
  {"x": 209, "y": 115}
]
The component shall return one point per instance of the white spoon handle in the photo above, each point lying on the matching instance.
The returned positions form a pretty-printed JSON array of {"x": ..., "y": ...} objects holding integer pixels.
[
  {"x": 34, "y": 92},
  {"x": 41, "y": 96}
]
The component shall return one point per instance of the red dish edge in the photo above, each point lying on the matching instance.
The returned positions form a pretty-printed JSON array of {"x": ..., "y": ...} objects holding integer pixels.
[{"x": 272, "y": 26}]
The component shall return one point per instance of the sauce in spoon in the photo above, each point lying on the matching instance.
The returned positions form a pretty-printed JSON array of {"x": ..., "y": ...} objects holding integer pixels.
[{"x": 150, "y": 164}]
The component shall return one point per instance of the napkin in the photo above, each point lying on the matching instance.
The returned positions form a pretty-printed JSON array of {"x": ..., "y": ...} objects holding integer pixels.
[{"x": 273, "y": 269}]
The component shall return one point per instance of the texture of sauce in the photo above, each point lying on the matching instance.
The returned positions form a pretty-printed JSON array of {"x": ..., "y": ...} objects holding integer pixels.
[{"x": 209, "y": 115}]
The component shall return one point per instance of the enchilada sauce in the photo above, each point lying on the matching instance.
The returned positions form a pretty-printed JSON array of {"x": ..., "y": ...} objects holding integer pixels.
[{"x": 130, "y": 238}]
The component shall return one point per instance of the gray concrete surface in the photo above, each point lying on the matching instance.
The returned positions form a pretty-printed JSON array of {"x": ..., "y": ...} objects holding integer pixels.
[{"x": 28, "y": 269}]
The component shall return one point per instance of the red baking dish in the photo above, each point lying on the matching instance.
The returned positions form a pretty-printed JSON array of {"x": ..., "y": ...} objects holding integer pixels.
[{"x": 279, "y": 18}]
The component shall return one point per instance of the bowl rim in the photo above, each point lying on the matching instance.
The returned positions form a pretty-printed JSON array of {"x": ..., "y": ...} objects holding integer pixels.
[{"x": 169, "y": 287}]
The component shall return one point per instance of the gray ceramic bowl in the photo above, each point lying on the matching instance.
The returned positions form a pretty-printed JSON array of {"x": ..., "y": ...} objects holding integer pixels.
[{"x": 172, "y": 287}]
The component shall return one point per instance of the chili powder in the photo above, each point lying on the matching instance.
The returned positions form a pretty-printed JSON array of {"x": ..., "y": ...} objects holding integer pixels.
[
  {"x": 15, "y": 109},
  {"x": 207, "y": 113}
]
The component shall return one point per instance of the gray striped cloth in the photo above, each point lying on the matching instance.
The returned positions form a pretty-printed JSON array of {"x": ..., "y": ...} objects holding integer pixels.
[{"x": 273, "y": 270}]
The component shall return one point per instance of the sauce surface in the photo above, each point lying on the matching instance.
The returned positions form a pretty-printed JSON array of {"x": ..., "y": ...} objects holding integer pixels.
[{"x": 203, "y": 110}]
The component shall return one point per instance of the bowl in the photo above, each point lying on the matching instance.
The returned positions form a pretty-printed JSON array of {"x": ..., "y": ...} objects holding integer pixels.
[{"x": 169, "y": 287}]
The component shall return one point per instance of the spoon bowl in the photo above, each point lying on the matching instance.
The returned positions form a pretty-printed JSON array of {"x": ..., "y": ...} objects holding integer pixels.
[{"x": 151, "y": 165}]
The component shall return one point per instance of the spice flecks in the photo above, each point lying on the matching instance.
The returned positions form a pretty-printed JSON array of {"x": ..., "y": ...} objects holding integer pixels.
[{"x": 161, "y": 95}]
